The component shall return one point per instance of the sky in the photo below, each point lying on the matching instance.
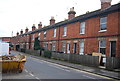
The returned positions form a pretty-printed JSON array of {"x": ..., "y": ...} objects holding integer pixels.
[{"x": 19, "y": 14}]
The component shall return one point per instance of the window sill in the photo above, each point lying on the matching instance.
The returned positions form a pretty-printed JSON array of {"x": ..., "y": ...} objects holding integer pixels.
[
  {"x": 102, "y": 30},
  {"x": 82, "y": 33},
  {"x": 64, "y": 35}
]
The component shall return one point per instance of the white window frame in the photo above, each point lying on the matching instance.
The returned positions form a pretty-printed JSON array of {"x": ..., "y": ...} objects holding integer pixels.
[
  {"x": 65, "y": 31},
  {"x": 81, "y": 47},
  {"x": 82, "y": 28},
  {"x": 54, "y": 33},
  {"x": 102, "y": 23},
  {"x": 102, "y": 47}
]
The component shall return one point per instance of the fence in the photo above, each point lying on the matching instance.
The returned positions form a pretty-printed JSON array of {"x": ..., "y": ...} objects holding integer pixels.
[
  {"x": 111, "y": 62},
  {"x": 80, "y": 59}
]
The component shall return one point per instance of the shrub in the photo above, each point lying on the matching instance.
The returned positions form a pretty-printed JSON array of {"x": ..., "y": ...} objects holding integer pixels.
[{"x": 47, "y": 54}]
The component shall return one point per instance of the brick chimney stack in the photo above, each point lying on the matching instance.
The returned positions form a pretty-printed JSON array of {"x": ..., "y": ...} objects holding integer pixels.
[
  {"x": 17, "y": 33},
  {"x": 26, "y": 30},
  {"x": 105, "y": 3},
  {"x": 40, "y": 25},
  {"x": 52, "y": 21},
  {"x": 71, "y": 13},
  {"x": 21, "y": 32},
  {"x": 33, "y": 27}
]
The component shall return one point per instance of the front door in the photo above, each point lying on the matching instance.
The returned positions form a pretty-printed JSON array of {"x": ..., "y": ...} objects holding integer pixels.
[
  {"x": 68, "y": 48},
  {"x": 75, "y": 48},
  {"x": 113, "y": 48}
]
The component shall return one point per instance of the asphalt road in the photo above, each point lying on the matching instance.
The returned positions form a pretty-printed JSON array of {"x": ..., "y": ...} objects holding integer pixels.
[{"x": 40, "y": 69}]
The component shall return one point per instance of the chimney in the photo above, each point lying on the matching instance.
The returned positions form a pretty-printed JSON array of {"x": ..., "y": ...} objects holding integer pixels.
[
  {"x": 21, "y": 32},
  {"x": 17, "y": 33},
  {"x": 33, "y": 27},
  {"x": 26, "y": 30},
  {"x": 40, "y": 25},
  {"x": 105, "y": 4},
  {"x": 71, "y": 13},
  {"x": 52, "y": 21}
]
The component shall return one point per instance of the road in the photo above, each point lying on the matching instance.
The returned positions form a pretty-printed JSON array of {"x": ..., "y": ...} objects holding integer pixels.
[{"x": 39, "y": 69}]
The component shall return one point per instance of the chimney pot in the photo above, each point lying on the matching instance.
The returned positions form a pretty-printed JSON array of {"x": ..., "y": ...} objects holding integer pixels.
[
  {"x": 105, "y": 4},
  {"x": 71, "y": 13},
  {"x": 21, "y": 32},
  {"x": 17, "y": 33},
  {"x": 33, "y": 27},
  {"x": 26, "y": 30},
  {"x": 40, "y": 25},
  {"x": 52, "y": 21}
]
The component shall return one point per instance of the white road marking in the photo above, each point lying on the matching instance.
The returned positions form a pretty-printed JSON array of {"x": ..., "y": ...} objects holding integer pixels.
[
  {"x": 60, "y": 68},
  {"x": 26, "y": 71},
  {"x": 88, "y": 76},
  {"x": 39, "y": 61},
  {"x": 36, "y": 77},
  {"x": 31, "y": 74}
]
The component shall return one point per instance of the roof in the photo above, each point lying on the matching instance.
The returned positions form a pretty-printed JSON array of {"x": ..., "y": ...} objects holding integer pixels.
[{"x": 103, "y": 12}]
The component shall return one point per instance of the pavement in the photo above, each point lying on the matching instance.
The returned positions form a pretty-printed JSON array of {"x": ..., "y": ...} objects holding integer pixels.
[{"x": 98, "y": 71}]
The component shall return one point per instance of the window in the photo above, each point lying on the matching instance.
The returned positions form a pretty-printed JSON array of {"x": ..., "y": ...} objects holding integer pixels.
[
  {"x": 53, "y": 46},
  {"x": 81, "y": 48},
  {"x": 82, "y": 28},
  {"x": 32, "y": 45},
  {"x": 45, "y": 46},
  {"x": 102, "y": 46},
  {"x": 45, "y": 34},
  {"x": 103, "y": 23},
  {"x": 54, "y": 32},
  {"x": 64, "y": 47},
  {"x": 33, "y": 37},
  {"x": 65, "y": 31}
]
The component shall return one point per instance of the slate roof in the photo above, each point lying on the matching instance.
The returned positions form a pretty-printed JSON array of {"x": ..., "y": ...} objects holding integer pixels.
[{"x": 112, "y": 8}]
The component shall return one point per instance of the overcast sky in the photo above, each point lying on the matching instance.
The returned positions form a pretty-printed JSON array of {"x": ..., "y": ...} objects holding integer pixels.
[{"x": 19, "y": 14}]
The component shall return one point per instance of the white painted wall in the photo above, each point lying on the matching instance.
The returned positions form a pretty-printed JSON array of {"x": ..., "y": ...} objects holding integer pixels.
[{"x": 4, "y": 48}]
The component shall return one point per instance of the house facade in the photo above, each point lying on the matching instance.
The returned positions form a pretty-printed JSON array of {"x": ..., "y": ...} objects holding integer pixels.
[{"x": 97, "y": 31}]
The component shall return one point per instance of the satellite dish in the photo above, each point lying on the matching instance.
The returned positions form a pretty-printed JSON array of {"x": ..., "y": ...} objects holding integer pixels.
[{"x": 105, "y": 0}]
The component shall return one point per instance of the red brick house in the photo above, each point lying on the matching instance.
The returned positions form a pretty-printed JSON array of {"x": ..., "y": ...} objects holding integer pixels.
[
  {"x": 96, "y": 31},
  {"x": 5, "y": 39}
]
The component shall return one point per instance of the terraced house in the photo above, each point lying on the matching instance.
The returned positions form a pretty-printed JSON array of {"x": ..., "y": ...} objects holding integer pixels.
[{"x": 97, "y": 31}]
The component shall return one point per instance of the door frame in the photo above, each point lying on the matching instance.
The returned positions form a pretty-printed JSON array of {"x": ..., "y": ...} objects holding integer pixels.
[{"x": 110, "y": 48}]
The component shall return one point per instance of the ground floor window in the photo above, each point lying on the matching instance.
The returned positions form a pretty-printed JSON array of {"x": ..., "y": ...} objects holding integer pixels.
[
  {"x": 81, "y": 48},
  {"x": 102, "y": 46},
  {"x": 53, "y": 46},
  {"x": 32, "y": 45},
  {"x": 45, "y": 46},
  {"x": 64, "y": 47}
]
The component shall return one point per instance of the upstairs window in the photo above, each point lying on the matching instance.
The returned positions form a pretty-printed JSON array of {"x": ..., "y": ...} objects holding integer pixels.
[
  {"x": 103, "y": 24},
  {"x": 82, "y": 28},
  {"x": 39, "y": 36},
  {"x": 54, "y": 33},
  {"x": 45, "y": 34},
  {"x": 65, "y": 31}
]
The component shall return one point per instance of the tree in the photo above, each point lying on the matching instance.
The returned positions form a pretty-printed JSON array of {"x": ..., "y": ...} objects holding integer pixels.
[{"x": 36, "y": 44}]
